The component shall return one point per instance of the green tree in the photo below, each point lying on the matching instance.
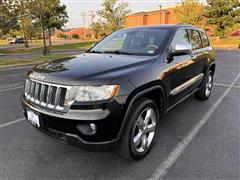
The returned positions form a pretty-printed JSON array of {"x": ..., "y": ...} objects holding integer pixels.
[
  {"x": 223, "y": 14},
  {"x": 23, "y": 13},
  {"x": 32, "y": 30},
  {"x": 98, "y": 28},
  {"x": 8, "y": 17},
  {"x": 112, "y": 16},
  {"x": 89, "y": 35},
  {"x": 56, "y": 18},
  {"x": 190, "y": 12},
  {"x": 48, "y": 14}
]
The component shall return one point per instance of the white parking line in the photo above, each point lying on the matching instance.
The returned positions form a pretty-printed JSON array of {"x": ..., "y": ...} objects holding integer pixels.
[
  {"x": 9, "y": 89},
  {"x": 225, "y": 85},
  {"x": 163, "y": 168},
  {"x": 12, "y": 122}
]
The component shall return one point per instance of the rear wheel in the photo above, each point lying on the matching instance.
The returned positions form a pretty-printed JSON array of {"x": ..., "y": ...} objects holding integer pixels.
[
  {"x": 141, "y": 130},
  {"x": 205, "y": 92}
]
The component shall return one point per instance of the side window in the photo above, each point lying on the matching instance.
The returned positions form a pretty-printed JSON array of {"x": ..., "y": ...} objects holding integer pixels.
[
  {"x": 181, "y": 37},
  {"x": 195, "y": 40},
  {"x": 205, "y": 40}
]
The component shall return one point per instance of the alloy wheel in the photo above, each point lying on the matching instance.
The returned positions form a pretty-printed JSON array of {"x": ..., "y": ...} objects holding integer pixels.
[
  {"x": 144, "y": 130},
  {"x": 209, "y": 85}
]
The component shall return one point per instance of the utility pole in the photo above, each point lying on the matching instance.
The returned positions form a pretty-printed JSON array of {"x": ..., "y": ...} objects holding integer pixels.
[
  {"x": 83, "y": 19},
  {"x": 160, "y": 14},
  {"x": 91, "y": 15}
]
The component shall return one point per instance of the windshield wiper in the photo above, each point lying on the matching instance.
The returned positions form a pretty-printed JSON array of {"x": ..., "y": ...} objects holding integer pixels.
[
  {"x": 94, "y": 51},
  {"x": 117, "y": 52}
]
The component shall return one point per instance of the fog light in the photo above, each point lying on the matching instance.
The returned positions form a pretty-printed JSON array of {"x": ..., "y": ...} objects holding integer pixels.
[
  {"x": 87, "y": 129},
  {"x": 93, "y": 126}
]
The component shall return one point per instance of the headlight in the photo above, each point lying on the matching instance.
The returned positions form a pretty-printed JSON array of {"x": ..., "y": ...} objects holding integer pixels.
[{"x": 95, "y": 93}]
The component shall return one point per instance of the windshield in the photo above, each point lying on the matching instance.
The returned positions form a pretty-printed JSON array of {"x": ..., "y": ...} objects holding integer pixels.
[{"x": 132, "y": 42}]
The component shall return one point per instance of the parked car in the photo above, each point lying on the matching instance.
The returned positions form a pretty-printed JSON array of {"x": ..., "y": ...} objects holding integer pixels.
[
  {"x": 114, "y": 95},
  {"x": 17, "y": 40}
]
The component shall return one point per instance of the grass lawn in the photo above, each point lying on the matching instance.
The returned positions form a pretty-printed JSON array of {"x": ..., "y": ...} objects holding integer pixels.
[
  {"x": 231, "y": 40},
  {"x": 71, "y": 46},
  {"x": 36, "y": 59},
  {"x": 50, "y": 57}
]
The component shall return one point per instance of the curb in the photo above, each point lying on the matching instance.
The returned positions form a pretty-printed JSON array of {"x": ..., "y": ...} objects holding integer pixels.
[
  {"x": 21, "y": 65},
  {"x": 224, "y": 46}
]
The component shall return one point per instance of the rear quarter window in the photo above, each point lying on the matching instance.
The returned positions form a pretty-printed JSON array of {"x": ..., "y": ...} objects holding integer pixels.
[
  {"x": 195, "y": 39},
  {"x": 205, "y": 40}
]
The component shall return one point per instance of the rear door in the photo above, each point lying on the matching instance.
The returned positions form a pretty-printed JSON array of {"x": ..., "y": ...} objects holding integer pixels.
[
  {"x": 198, "y": 54},
  {"x": 208, "y": 51}
]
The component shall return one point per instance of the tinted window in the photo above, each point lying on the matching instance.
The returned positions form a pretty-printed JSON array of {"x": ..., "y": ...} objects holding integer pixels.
[
  {"x": 195, "y": 40},
  {"x": 181, "y": 37},
  {"x": 136, "y": 42},
  {"x": 205, "y": 40}
]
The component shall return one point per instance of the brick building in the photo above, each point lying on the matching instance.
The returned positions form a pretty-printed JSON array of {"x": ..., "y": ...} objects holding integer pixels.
[
  {"x": 165, "y": 16},
  {"x": 82, "y": 32}
]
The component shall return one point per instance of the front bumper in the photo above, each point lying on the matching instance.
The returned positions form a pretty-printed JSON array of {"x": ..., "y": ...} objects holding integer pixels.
[{"x": 64, "y": 128}]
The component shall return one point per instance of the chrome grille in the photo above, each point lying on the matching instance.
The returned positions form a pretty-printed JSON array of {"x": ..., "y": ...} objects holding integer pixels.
[{"x": 45, "y": 94}]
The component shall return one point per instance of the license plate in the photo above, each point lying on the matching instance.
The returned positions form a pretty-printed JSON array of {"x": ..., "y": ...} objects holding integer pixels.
[{"x": 33, "y": 118}]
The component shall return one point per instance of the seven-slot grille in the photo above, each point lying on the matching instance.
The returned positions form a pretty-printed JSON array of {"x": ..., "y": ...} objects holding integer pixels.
[{"x": 45, "y": 94}]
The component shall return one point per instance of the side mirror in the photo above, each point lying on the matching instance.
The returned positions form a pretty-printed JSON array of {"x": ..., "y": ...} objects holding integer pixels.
[{"x": 179, "y": 50}]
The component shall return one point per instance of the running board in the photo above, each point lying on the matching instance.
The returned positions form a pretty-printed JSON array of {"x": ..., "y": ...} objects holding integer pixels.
[{"x": 181, "y": 100}]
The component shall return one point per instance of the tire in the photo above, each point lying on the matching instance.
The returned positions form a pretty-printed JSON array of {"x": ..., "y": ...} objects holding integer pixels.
[
  {"x": 140, "y": 131},
  {"x": 206, "y": 89}
]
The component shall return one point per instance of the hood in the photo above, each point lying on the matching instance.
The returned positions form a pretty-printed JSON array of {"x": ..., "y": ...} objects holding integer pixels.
[{"x": 90, "y": 67}]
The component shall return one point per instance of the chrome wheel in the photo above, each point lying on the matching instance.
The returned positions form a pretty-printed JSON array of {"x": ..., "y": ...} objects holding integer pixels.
[
  {"x": 144, "y": 130},
  {"x": 209, "y": 85}
]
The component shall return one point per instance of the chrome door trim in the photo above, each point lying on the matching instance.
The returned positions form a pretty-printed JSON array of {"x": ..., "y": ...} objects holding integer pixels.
[{"x": 186, "y": 84}]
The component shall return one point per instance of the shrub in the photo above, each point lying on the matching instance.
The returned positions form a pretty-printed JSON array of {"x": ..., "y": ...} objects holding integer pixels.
[
  {"x": 61, "y": 36},
  {"x": 75, "y": 36}
]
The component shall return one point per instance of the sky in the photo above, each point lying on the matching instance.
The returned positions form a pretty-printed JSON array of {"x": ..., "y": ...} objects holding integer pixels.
[{"x": 76, "y": 7}]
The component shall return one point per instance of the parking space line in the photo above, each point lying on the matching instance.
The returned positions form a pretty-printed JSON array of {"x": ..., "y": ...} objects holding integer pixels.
[
  {"x": 225, "y": 85},
  {"x": 12, "y": 122},
  {"x": 9, "y": 89},
  {"x": 163, "y": 168}
]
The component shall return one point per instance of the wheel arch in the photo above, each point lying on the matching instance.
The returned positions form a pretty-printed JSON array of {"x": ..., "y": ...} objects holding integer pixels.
[
  {"x": 212, "y": 67},
  {"x": 154, "y": 91}
]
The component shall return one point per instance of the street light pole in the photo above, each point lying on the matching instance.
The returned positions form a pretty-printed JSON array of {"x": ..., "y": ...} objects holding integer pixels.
[{"x": 160, "y": 17}]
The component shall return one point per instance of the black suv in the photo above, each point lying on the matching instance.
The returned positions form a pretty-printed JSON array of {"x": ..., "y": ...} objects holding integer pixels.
[{"x": 115, "y": 94}]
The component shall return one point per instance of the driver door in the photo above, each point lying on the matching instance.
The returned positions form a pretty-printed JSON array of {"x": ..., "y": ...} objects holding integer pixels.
[{"x": 183, "y": 69}]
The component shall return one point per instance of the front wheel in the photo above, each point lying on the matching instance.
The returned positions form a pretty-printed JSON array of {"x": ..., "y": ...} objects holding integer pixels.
[
  {"x": 205, "y": 91},
  {"x": 141, "y": 130}
]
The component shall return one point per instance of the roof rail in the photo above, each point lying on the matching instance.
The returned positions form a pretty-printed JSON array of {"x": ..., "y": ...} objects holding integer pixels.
[{"x": 183, "y": 24}]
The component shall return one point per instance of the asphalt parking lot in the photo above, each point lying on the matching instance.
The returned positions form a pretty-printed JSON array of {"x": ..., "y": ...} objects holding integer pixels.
[{"x": 198, "y": 140}]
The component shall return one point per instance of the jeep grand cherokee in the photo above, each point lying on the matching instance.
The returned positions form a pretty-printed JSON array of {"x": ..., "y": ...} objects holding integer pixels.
[{"x": 114, "y": 95}]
